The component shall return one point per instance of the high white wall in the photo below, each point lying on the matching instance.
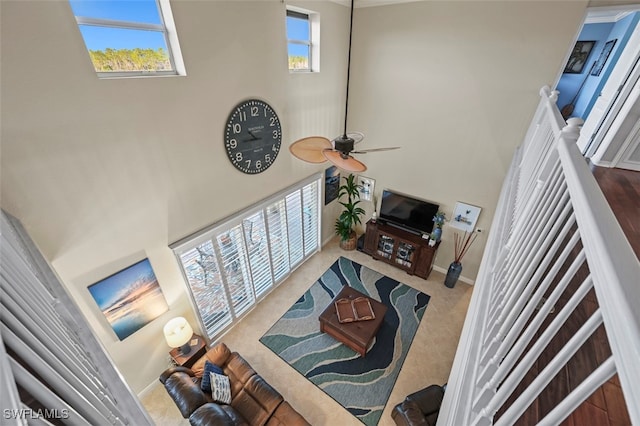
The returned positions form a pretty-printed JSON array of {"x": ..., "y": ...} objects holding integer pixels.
[
  {"x": 106, "y": 172},
  {"x": 455, "y": 84}
]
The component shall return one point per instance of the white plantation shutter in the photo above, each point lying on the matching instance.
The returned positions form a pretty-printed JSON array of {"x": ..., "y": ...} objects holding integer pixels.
[
  {"x": 278, "y": 241},
  {"x": 294, "y": 227},
  {"x": 310, "y": 222},
  {"x": 201, "y": 270},
  {"x": 236, "y": 269},
  {"x": 231, "y": 265},
  {"x": 255, "y": 236}
]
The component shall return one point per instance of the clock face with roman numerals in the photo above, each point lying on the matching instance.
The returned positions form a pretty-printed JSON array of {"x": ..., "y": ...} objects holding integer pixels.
[{"x": 252, "y": 136}]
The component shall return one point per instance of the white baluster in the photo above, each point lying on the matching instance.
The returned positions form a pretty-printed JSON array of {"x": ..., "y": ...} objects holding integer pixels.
[
  {"x": 586, "y": 388},
  {"x": 46, "y": 396},
  {"x": 546, "y": 375},
  {"x": 522, "y": 263},
  {"x": 518, "y": 315},
  {"x": 529, "y": 258},
  {"x": 516, "y": 372},
  {"x": 497, "y": 369},
  {"x": 57, "y": 382}
]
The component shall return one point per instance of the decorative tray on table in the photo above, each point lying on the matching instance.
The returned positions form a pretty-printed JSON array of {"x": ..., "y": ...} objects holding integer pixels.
[{"x": 350, "y": 310}]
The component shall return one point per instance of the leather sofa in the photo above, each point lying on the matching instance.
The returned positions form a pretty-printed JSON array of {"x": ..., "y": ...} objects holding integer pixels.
[
  {"x": 253, "y": 400},
  {"x": 419, "y": 408}
]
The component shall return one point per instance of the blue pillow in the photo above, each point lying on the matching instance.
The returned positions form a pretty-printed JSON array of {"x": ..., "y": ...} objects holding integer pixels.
[{"x": 209, "y": 367}]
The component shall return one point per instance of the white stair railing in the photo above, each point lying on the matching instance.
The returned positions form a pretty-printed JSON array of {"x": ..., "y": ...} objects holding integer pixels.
[
  {"x": 555, "y": 251},
  {"x": 53, "y": 369}
]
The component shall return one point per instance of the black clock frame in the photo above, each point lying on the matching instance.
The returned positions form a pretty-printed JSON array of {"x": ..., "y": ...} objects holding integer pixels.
[{"x": 252, "y": 136}]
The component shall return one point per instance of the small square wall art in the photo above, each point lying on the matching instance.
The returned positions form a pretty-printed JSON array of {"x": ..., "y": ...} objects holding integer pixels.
[
  {"x": 465, "y": 216},
  {"x": 366, "y": 186},
  {"x": 130, "y": 299}
]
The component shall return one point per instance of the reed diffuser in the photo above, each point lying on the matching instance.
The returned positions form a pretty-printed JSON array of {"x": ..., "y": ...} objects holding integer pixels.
[{"x": 460, "y": 248}]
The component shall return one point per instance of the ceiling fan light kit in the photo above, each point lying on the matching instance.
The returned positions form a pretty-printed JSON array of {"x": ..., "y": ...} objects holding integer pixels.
[
  {"x": 343, "y": 144},
  {"x": 318, "y": 149}
]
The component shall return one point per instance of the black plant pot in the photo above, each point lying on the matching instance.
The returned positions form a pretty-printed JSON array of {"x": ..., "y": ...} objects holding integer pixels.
[{"x": 453, "y": 274}]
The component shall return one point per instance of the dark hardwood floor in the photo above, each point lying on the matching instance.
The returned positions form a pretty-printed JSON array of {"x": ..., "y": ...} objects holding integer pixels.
[{"x": 621, "y": 188}]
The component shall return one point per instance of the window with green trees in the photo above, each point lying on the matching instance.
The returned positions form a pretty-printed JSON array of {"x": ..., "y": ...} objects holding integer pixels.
[
  {"x": 302, "y": 37},
  {"x": 129, "y": 37}
]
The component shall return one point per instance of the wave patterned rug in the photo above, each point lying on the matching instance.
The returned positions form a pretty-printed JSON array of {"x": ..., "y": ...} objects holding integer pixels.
[{"x": 361, "y": 385}]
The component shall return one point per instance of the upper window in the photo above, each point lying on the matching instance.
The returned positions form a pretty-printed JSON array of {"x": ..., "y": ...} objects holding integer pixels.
[
  {"x": 302, "y": 40},
  {"x": 129, "y": 37}
]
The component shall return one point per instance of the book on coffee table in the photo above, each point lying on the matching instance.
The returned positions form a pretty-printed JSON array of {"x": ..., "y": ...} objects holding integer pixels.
[{"x": 350, "y": 310}]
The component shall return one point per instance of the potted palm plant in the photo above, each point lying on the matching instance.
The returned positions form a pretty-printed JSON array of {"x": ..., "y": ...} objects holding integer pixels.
[{"x": 350, "y": 216}]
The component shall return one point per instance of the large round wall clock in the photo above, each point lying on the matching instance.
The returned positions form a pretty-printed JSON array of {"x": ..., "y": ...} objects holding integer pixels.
[{"x": 252, "y": 136}]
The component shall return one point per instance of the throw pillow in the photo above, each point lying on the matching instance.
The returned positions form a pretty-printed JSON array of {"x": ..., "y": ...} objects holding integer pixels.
[
  {"x": 220, "y": 388},
  {"x": 209, "y": 367}
]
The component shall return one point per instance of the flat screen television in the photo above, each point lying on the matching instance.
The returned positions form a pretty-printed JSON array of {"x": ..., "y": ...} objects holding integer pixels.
[{"x": 407, "y": 212}]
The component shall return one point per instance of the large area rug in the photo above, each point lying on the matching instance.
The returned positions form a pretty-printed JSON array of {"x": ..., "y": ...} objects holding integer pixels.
[{"x": 361, "y": 385}]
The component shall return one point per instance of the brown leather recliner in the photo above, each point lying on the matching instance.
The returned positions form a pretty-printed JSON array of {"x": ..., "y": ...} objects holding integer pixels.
[
  {"x": 419, "y": 408},
  {"x": 253, "y": 400}
]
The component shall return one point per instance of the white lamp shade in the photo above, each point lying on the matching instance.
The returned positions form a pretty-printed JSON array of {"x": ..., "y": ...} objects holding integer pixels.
[{"x": 177, "y": 332}]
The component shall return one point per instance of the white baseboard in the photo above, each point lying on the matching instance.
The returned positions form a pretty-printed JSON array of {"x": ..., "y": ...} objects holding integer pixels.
[
  {"x": 148, "y": 389},
  {"x": 462, "y": 278},
  {"x": 326, "y": 241},
  {"x": 601, "y": 163}
]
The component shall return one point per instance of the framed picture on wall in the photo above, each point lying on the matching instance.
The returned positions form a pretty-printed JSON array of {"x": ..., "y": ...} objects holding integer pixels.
[
  {"x": 465, "y": 216},
  {"x": 366, "y": 187},
  {"x": 579, "y": 57},
  {"x": 604, "y": 55},
  {"x": 331, "y": 184},
  {"x": 130, "y": 299}
]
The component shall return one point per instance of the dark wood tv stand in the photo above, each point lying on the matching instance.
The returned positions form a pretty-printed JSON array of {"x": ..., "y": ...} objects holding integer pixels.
[{"x": 400, "y": 248}]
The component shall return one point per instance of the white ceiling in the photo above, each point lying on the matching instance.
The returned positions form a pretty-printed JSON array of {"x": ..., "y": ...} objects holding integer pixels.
[
  {"x": 599, "y": 10},
  {"x": 607, "y": 14}
]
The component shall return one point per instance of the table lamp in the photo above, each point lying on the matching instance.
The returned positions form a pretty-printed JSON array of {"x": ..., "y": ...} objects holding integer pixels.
[{"x": 178, "y": 332}]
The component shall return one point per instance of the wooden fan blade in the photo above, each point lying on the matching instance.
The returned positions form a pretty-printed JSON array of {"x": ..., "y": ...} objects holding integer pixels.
[
  {"x": 349, "y": 164},
  {"x": 310, "y": 149},
  {"x": 364, "y": 151}
]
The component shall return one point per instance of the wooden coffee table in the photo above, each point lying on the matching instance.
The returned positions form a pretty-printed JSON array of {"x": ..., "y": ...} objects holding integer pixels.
[{"x": 358, "y": 334}]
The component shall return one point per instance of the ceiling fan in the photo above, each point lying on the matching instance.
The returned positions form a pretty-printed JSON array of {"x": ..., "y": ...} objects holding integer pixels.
[{"x": 318, "y": 149}]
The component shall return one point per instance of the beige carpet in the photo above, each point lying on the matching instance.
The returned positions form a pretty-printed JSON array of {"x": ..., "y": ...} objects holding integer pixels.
[{"x": 428, "y": 362}]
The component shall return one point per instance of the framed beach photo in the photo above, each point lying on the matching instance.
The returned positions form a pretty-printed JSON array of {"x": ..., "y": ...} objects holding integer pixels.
[
  {"x": 465, "y": 216},
  {"x": 130, "y": 299},
  {"x": 579, "y": 57}
]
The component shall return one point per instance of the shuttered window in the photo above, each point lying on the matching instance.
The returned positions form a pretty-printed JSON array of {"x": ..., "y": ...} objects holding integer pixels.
[{"x": 231, "y": 265}]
